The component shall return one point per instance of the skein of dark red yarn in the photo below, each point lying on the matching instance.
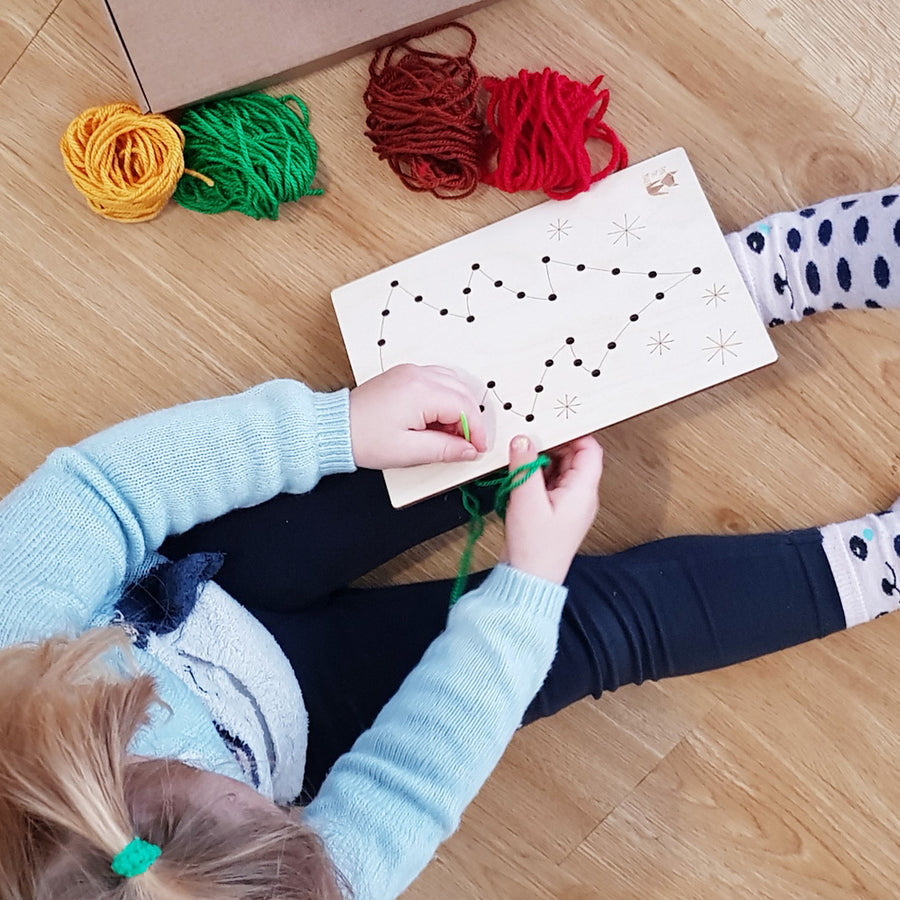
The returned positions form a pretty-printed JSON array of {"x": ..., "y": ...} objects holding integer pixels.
[
  {"x": 423, "y": 117},
  {"x": 539, "y": 123}
]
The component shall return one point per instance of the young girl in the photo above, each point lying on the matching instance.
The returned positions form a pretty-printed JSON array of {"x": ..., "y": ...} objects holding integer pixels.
[{"x": 151, "y": 715}]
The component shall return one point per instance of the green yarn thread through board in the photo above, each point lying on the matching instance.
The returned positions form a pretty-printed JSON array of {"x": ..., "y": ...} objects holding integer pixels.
[
  {"x": 251, "y": 153},
  {"x": 505, "y": 485}
]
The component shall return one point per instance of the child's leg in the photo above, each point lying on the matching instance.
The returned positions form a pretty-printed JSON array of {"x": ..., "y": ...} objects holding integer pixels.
[
  {"x": 672, "y": 607},
  {"x": 350, "y": 653},
  {"x": 843, "y": 253},
  {"x": 296, "y": 549},
  {"x": 689, "y": 604},
  {"x": 684, "y": 605}
]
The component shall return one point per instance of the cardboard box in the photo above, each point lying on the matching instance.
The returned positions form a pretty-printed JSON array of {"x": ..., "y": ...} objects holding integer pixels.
[{"x": 179, "y": 52}]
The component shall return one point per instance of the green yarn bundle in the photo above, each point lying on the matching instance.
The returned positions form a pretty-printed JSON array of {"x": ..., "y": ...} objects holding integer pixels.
[{"x": 248, "y": 153}]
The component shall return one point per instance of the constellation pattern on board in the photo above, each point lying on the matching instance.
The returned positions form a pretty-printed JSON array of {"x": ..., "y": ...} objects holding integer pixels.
[
  {"x": 567, "y": 406},
  {"x": 715, "y": 295},
  {"x": 480, "y": 280},
  {"x": 559, "y": 229},
  {"x": 722, "y": 346},
  {"x": 660, "y": 343},
  {"x": 626, "y": 231}
]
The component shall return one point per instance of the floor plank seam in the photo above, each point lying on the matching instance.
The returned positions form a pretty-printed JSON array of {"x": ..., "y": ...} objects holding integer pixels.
[
  {"x": 26, "y": 48},
  {"x": 636, "y": 787}
]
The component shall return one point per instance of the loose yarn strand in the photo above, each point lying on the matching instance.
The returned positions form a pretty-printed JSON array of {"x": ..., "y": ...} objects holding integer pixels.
[
  {"x": 505, "y": 484},
  {"x": 248, "y": 153},
  {"x": 538, "y": 126},
  {"x": 474, "y": 531},
  {"x": 126, "y": 163},
  {"x": 423, "y": 116}
]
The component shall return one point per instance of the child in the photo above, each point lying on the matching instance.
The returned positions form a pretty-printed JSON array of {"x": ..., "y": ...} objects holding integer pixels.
[{"x": 106, "y": 792}]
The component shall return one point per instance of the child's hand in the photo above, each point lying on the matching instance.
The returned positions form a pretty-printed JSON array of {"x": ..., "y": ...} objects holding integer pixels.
[
  {"x": 410, "y": 415},
  {"x": 548, "y": 517}
]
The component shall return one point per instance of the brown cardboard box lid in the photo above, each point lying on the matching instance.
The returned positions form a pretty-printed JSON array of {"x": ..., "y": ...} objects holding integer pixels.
[{"x": 183, "y": 51}]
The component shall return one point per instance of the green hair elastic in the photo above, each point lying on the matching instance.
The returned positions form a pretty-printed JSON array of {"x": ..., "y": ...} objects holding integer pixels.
[
  {"x": 135, "y": 858},
  {"x": 505, "y": 485}
]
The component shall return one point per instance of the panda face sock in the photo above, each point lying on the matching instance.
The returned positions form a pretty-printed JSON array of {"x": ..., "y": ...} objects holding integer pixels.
[
  {"x": 864, "y": 555},
  {"x": 843, "y": 253}
]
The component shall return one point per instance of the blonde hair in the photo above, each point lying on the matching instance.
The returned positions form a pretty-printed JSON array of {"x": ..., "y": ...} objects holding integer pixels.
[{"x": 70, "y": 798}]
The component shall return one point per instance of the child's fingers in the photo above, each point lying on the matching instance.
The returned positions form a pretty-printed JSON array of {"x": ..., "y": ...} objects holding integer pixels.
[
  {"x": 432, "y": 445},
  {"x": 475, "y": 424},
  {"x": 580, "y": 467},
  {"x": 468, "y": 406},
  {"x": 521, "y": 451},
  {"x": 533, "y": 490},
  {"x": 560, "y": 462},
  {"x": 451, "y": 403}
]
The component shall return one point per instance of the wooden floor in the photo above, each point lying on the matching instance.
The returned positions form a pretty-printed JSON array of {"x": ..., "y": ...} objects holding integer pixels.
[{"x": 777, "y": 778}]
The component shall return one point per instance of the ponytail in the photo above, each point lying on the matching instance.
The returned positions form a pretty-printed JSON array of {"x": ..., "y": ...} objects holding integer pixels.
[{"x": 71, "y": 800}]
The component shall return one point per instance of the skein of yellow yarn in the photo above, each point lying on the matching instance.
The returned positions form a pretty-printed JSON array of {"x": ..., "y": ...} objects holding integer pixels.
[{"x": 126, "y": 163}]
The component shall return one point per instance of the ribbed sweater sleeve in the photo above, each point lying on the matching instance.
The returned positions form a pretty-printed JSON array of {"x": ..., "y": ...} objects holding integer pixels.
[
  {"x": 81, "y": 527},
  {"x": 388, "y": 803}
]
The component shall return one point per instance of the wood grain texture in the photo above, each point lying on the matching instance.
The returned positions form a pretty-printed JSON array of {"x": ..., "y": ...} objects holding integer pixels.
[
  {"x": 20, "y": 21},
  {"x": 851, "y": 46},
  {"x": 776, "y": 778}
]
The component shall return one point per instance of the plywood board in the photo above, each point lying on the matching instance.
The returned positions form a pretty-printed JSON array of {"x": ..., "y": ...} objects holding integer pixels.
[{"x": 566, "y": 317}]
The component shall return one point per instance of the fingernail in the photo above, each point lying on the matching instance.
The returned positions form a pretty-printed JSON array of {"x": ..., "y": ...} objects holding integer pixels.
[
  {"x": 521, "y": 444},
  {"x": 469, "y": 453}
]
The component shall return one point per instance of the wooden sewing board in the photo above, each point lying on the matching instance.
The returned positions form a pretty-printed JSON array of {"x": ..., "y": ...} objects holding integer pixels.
[{"x": 566, "y": 317}]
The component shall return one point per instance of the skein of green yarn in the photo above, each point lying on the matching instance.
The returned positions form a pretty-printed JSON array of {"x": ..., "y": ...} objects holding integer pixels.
[{"x": 256, "y": 151}]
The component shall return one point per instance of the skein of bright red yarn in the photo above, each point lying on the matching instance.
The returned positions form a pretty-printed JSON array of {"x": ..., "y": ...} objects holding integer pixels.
[
  {"x": 423, "y": 117},
  {"x": 539, "y": 124}
]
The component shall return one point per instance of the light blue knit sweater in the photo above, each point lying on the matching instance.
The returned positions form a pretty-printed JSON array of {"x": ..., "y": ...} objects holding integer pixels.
[{"x": 90, "y": 520}]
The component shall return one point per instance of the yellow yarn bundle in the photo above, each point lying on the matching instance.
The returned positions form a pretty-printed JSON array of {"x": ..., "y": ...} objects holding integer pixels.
[{"x": 126, "y": 163}]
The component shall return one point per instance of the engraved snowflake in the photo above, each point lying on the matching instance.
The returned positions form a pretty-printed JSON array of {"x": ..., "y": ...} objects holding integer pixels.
[
  {"x": 660, "y": 343},
  {"x": 721, "y": 346},
  {"x": 626, "y": 230},
  {"x": 567, "y": 406},
  {"x": 559, "y": 229},
  {"x": 715, "y": 294}
]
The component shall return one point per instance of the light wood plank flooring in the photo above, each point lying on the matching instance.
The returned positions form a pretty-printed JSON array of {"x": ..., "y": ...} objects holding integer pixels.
[{"x": 777, "y": 778}]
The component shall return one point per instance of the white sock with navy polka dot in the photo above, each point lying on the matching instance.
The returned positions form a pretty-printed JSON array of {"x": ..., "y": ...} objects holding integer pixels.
[
  {"x": 864, "y": 555},
  {"x": 843, "y": 253}
]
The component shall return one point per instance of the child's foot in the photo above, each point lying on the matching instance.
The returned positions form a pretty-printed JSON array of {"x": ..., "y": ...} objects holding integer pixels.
[
  {"x": 843, "y": 253},
  {"x": 864, "y": 555}
]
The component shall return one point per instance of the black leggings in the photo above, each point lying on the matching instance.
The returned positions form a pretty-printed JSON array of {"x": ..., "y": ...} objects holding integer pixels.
[{"x": 670, "y": 607}]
